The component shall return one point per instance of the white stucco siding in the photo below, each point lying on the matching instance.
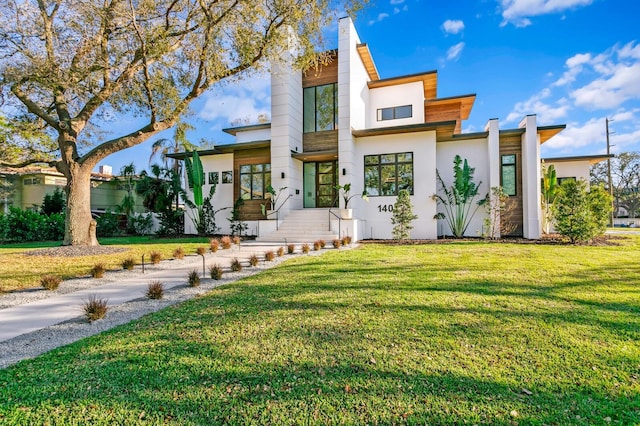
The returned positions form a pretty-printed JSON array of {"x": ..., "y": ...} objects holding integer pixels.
[
  {"x": 253, "y": 135},
  {"x": 223, "y": 196},
  {"x": 376, "y": 213},
  {"x": 395, "y": 96},
  {"x": 574, "y": 169},
  {"x": 476, "y": 153}
]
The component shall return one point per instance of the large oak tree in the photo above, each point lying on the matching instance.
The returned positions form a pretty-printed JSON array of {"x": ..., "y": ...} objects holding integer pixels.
[{"x": 66, "y": 63}]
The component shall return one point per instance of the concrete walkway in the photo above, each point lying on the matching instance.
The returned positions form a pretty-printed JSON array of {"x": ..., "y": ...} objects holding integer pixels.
[{"x": 33, "y": 316}]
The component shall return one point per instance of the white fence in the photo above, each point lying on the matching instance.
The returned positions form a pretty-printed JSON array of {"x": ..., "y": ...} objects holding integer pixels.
[{"x": 627, "y": 222}]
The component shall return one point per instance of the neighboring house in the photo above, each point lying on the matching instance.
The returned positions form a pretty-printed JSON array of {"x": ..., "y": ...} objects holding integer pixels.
[
  {"x": 342, "y": 124},
  {"x": 25, "y": 188}
]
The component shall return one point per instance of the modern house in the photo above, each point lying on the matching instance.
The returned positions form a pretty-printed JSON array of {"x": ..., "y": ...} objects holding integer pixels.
[
  {"x": 26, "y": 187},
  {"x": 344, "y": 124}
]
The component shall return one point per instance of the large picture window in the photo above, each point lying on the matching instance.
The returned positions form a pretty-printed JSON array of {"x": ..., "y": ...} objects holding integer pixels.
[
  {"x": 254, "y": 181},
  {"x": 508, "y": 178},
  {"x": 387, "y": 174},
  {"x": 320, "y": 108}
]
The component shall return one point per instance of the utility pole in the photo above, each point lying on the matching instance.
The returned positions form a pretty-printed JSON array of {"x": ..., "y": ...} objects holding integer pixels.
[{"x": 609, "y": 174}]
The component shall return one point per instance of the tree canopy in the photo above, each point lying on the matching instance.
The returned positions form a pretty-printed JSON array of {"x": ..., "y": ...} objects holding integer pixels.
[
  {"x": 625, "y": 176},
  {"x": 72, "y": 65}
]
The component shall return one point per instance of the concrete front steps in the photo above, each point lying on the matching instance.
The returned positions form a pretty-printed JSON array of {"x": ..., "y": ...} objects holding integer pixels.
[{"x": 302, "y": 226}]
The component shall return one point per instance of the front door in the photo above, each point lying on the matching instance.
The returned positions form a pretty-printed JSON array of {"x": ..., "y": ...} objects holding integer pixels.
[{"x": 320, "y": 179}]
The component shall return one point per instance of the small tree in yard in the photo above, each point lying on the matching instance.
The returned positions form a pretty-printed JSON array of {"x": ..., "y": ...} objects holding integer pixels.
[
  {"x": 581, "y": 214},
  {"x": 499, "y": 211},
  {"x": 402, "y": 216},
  {"x": 549, "y": 191}
]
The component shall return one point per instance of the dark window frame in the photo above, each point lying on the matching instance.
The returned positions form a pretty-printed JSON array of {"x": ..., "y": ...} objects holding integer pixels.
[
  {"x": 380, "y": 114},
  {"x": 380, "y": 164},
  {"x": 507, "y": 166},
  {"x": 315, "y": 89},
  {"x": 265, "y": 170}
]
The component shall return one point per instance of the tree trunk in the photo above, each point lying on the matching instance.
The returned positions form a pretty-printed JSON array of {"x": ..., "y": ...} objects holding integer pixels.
[{"x": 79, "y": 226}]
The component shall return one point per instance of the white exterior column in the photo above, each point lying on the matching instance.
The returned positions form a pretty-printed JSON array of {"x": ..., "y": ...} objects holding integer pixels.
[
  {"x": 286, "y": 134},
  {"x": 493, "y": 150},
  {"x": 532, "y": 212}
]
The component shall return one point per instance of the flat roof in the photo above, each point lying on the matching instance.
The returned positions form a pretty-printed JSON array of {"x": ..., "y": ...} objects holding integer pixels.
[
  {"x": 223, "y": 149},
  {"x": 592, "y": 159},
  {"x": 234, "y": 130},
  {"x": 466, "y": 103},
  {"x": 429, "y": 79},
  {"x": 443, "y": 129}
]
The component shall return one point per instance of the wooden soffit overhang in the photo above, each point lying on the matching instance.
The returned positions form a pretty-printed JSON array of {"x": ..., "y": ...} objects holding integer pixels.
[
  {"x": 444, "y": 130},
  {"x": 224, "y": 149},
  {"x": 547, "y": 132},
  {"x": 327, "y": 155},
  {"x": 592, "y": 159},
  {"x": 429, "y": 79},
  {"x": 465, "y": 101},
  {"x": 367, "y": 61}
]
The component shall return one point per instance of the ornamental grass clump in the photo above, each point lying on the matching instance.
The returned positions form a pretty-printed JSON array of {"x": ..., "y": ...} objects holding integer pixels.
[
  {"x": 215, "y": 271},
  {"x": 316, "y": 245},
  {"x": 155, "y": 290},
  {"x": 193, "y": 279},
  {"x": 155, "y": 257},
  {"x": 50, "y": 282},
  {"x": 253, "y": 260},
  {"x": 280, "y": 251},
  {"x": 346, "y": 240},
  {"x": 236, "y": 240},
  {"x": 322, "y": 243},
  {"x": 236, "y": 266},
  {"x": 306, "y": 248},
  {"x": 178, "y": 253},
  {"x": 98, "y": 270},
  {"x": 201, "y": 251},
  {"x": 128, "y": 263},
  {"x": 226, "y": 242},
  {"x": 269, "y": 255},
  {"x": 95, "y": 308},
  {"x": 291, "y": 248},
  {"x": 337, "y": 243},
  {"x": 214, "y": 245}
]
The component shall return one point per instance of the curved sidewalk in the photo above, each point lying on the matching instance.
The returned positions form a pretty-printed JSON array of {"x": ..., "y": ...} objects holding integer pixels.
[{"x": 29, "y": 317}]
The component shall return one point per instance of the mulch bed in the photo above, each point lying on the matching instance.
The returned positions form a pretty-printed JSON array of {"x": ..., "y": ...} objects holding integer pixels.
[
  {"x": 75, "y": 251},
  {"x": 551, "y": 239}
]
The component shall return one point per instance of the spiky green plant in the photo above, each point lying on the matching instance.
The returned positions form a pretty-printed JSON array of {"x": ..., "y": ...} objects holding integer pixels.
[
  {"x": 549, "y": 192},
  {"x": 458, "y": 199}
]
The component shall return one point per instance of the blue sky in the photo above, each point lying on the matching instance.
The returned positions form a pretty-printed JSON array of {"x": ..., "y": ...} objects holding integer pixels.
[{"x": 573, "y": 62}]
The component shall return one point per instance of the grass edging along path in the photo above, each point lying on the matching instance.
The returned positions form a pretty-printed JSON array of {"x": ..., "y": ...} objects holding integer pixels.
[{"x": 439, "y": 334}]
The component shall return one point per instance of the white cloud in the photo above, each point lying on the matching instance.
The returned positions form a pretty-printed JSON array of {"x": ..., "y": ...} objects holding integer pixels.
[
  {"x": 247, "y": 98},
  {"x": 451, "y": 26},
  {"x": 575, "y": 65},
  {"x": 455, "y": 51},
  {"x": 396, "y": 1},
  {"x": 547, "y": 112},
  {"x": 518, "y": 12},
  {"x": 379, "y": 18}
]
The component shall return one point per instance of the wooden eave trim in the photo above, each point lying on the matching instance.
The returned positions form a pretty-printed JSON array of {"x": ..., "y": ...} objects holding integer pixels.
[
  {"x": 315, "y": 155},
  {"x": 547, "y": 132},
  {"x": 592, "y": 159},
  {"x": 224, "y": 149},
  {"x": 466, "y": 103},
  {"x": 410, "y": 128},
  {"x": 429, "y": 80},
  {"x": 367, "y": 61}
]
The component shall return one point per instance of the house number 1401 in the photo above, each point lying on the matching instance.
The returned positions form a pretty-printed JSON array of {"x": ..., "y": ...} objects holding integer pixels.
[{"x": 385, "y": 208}]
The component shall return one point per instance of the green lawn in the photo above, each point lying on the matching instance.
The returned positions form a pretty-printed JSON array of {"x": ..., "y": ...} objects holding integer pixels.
[{"x": 451, "y": 333}]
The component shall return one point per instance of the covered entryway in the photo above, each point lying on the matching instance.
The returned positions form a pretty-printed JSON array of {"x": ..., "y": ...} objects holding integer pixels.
[{"x": 320, "y": 180}]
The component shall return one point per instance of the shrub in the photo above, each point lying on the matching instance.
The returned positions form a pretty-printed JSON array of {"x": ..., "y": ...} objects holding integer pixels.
[
  {"x": 94, "y": 308},
  {"x": 50, "y": 282},
  {"x": 316, "y": 246},
  {"x": 322, "y": 243},
  {"x": 178, "y": 253},
  {"x": 346, "y": 240},
  {"x": 280, "y": 251},
  {"x": 54, "y": 227},
  {"x": 236, "y": 266},
  {"x": 128, "y": 263},
  {"x": 305, "y": 248},
  {"x": 269, "y": 255},
  {"x": 337, "y": 243},
  {"x": 107, "y": 225},
  {"x": 253, "y": 260},
  {"x": 236, "y": 240},
  {"x": 140, "y": 224},
  {"x": 155, "y": 257},
  {"x": 54, "y": 202},
  {"x": 25, "y": 225},
  {"x": 291, "y": 248},
  {"x": 155, "y": 290},
  {"x": 98, "y": 270},
  {"x": 580, "y": 214},
  {"x": 215, "y": 271},
  {"x": 226, "y": 242},
  {"x": 201, "y": 251},
  {"x": 403, "y": 216},
  {"x": 214, "y": 245},
  {"x": 193, "y": 279}
]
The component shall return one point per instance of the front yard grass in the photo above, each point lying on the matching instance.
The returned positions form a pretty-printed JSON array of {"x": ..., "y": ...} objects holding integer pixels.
[
  {"x": 19, "y": 271},
  {"x": 456, "y": 333}
]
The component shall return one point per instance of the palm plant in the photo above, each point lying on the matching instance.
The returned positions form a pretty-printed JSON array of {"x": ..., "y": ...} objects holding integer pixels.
[
  {"x": 163, "y": 147},
  {"x": 457, "y": 199}
]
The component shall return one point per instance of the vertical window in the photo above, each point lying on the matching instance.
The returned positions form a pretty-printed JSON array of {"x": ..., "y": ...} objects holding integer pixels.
[
  {"x": 394, "y": 113},
  {"x": 254, "y": 181},
  {"x": 320, "y": 108},
  {"x": 508, "y": 175},
  {"x": 388, "y": 174}
]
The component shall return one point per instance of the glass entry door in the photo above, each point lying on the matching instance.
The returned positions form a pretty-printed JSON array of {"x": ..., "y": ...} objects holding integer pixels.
[{"x": 320, "y": 179}]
